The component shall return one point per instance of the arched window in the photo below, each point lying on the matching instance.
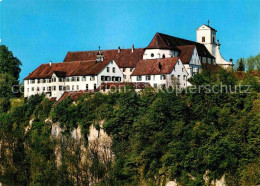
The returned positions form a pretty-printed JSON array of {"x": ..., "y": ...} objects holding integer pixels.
[
  {"x": 203, "y": 39},
  {"x": 163, "y": 56}
]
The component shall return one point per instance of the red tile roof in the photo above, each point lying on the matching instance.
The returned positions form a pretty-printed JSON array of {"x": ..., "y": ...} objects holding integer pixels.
[
  {"x": 73, "y": 95},
  {"x": 76, "y": 68},
  {"x": 159, "y": 43},
  {"x": 152, "y": 66},
  {"x": 124, "y": 59},
  {"x": 186, "y": 53},
  {"x": 171, "y": 42},
  {"x": 140, "y": 85}
]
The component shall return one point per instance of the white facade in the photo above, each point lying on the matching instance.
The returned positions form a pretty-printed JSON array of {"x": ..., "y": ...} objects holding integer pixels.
[
  {"x": 55, "y": 86},
  {"x": 159, "y": 53},
  {"x": 127, "y": 74},
  {"x": 194, "y": 65},
  {"x": 178, "y": 75},
  {"x": 207, "y": 36}
]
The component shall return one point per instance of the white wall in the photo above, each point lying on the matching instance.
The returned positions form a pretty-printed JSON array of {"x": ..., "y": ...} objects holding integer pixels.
[
  {"x": 78, "y": 85},
  {"x": 127, "y": 73},
  {"x": 194, "y": 65},
  {"x": 158, "y": 53},
  {"x": 209, "y": 34},
  {"x": 156, "y": 79}
]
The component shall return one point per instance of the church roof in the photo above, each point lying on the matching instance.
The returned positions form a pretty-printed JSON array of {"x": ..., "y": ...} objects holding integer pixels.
[
  {"x": 76, "y": 68},
  {"x": 125, "y": 59},
  {"x": 186, "y": 53},
  {"x": 169, "y": 42},
  {"x": 155, "y": 66}
]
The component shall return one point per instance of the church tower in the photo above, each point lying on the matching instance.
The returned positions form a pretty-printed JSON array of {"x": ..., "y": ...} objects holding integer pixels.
[{"x": 207, "y": 36}]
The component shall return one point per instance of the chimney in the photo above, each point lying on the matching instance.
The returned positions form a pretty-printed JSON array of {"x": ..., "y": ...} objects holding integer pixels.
[
  {"x": 50, "y": 63},
  {"x": 133, "y": 47},
  {"x": 119, "y": 50},
  {"x": 231, "y": 60}
]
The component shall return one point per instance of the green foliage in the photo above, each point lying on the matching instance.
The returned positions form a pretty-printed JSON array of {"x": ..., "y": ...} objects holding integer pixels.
[
  {"x": 157, "y": 136},
  {"x": 6, "y": 85},
  {"x": 250, "y": 64},
  {"x": 4, "y": 105},
  {"x": 241, "y": 64},
  {"x": 8, "y": 63}
]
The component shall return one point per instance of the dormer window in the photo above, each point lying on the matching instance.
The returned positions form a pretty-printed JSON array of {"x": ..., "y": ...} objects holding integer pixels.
[{"x": 203, "y": 39}]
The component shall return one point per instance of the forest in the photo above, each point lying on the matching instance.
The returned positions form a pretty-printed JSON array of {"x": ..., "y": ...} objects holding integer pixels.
[{"x": 157, "y": 135}]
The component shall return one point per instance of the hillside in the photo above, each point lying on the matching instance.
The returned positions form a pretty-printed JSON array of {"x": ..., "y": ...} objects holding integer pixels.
[{"x": 156, "y": 137}]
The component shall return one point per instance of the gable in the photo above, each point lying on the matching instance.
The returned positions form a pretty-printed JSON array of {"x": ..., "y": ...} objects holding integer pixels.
[
  {"x": 155, "y": 66},
  {"x": 174, "y": 42}
]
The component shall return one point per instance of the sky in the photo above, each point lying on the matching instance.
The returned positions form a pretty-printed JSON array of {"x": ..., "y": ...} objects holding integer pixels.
[{"x": 39, "y": 31}]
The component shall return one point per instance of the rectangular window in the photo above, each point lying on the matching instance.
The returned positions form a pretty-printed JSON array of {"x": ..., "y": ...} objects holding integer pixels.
[
  {"x": 163, "y": 77},
  {"x": 38, "y": 81},
  {"x": 38, "y": 89},
  {"x": 148, "y": 78},
  {"x": 60, "y": 88},
  {"x": 172, "y": 77},
  {"x": 182, "y": 69},
  {"x": 131, "y": 69},
  {"x": 92, "y": 78},
  {"x": 114, "y": 69},
  {"x": 73, "y": 79},
  {"x": 32, "y": 88},
  {"x": 95, "y": 86},
  {"x": 44, "y": 80},
  {"x": 60, "y": 79},
  {"x": 84, "y": 78},
  {"x": 155, "y": 85},
  {"x": 77, "y": 78},
  {"x": 123, "y": 69},
  {"x": 49, "y": 88},
  {"x": 86, "y": 86},
  {"x": 49, "y": 80},
  {"x": 28, "y": 82},
  {"x": 77, "y": 87},
  {"x": 54, "y": 88},
  {"x": 68, "y": 87},
  {"x": 72, "y": 88},
  {"x": 124, "y": 76},
  {"x": 184, "y": 77},
  {"x": 33, "y": 81},
  {"x": 107, "y": 69},
  {"x": 178, "y": 77},
  {"x": 139, "y": 78},
  {"x": 43, "y": 89},
  {"x": 67, "y": 79}
]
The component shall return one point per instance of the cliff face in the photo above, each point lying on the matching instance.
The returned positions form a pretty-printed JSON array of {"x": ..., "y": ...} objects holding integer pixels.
[{"x": 97, "y": 147}]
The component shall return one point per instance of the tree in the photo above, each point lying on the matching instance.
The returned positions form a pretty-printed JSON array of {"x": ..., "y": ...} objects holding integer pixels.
[
  {"x": 8, "y": 63},
  {"x": 251, "y": 63},
  {"x": 241, "y": 64}
]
